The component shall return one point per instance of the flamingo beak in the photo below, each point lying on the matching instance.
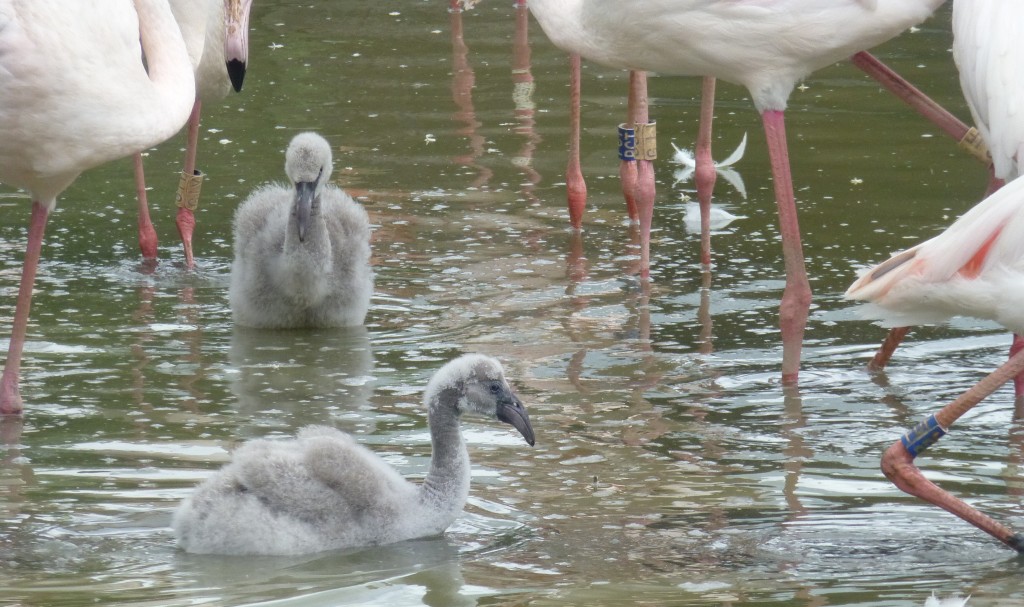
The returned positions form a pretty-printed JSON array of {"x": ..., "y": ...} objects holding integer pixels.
[
  {"x": 236, "y": 39},
  {"x": 305, "y": 194},
  {"x": 511, "y": 411}
]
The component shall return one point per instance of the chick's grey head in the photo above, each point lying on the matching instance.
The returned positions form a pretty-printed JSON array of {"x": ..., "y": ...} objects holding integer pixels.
[
  {"x": 308, "y": 165},
  {"x": 478, "y": 385}
]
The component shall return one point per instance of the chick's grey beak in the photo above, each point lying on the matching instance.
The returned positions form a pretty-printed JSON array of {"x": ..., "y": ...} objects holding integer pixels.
[
  {"x": 305, "y": 192},
  {"x": 513, "y": 412}
]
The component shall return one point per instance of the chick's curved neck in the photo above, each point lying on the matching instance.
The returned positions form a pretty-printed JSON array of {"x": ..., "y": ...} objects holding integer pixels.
[{"x": 447, "y": 482}]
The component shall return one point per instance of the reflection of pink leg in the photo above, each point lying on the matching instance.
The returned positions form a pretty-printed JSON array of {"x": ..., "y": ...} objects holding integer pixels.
[
  {"x": 147, "y": 234},
  {"x": 898, "y": 461},
  {"x": 576, "y": 187},
  {"x": 706, "y": 339},
  {"x": 645, "y": 189},
  {"x": 10, "y": 397},
  {"x": 186, "y": 219},
  {"x": 885, "y": 351},
  {"x": 796, "y": 298},
  {"x": 704, "y": 175}
]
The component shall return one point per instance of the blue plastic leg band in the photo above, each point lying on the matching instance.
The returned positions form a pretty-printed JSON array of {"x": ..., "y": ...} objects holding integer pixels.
[
  {"x": 922, "y": 436},
  {"x": 627, "y": 143}
]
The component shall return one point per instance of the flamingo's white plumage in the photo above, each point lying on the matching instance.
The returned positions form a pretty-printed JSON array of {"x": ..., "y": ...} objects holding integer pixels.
[
  {"x": 74, "y": 93},
  {"x": 988, "y": 55},
  {"x": 974, "y": 268}
]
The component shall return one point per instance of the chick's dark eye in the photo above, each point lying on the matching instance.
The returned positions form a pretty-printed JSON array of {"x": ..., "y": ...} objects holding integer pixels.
[{"x": 495, "y": 388}]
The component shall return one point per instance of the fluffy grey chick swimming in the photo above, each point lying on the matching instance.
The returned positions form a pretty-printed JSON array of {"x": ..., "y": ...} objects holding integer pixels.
[
  {"x": 322, "y": 490},
  {"x": 302, "y": 253}
]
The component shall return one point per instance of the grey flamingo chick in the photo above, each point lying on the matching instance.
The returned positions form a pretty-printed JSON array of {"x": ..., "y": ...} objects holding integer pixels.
[
  {"x": 323, "y": 491},
  {"x": 302, "y": 253}
]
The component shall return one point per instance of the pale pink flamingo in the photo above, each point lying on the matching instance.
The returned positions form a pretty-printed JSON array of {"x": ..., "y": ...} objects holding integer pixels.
[
  {"x": 988, "y": 56},
  {"x": 216, "y": 34},
  {"x": 74, "y": 93},
  {"x": 765, "y": 46},
  {"x": 974, "y": 268}
]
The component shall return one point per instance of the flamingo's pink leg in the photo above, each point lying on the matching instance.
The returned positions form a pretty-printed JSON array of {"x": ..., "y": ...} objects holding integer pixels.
[
  {"x": 186, "y": 219},
  {"x": 576, "y": 187},
  {"x": 796, "y": 298},
  {"x": 645, "y": 188},
  {"x": 898, "y": 460},
  {"x": 10, "y": 396},
  {"x": 147, "y": 234},
  {"x": 704, "y": 173},
  {"x": 885, "y": 351}
]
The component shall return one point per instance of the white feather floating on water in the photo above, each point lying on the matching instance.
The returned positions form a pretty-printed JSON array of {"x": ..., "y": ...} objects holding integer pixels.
[
  {"x": 685, "y": 157},
  {"x": 720, "y": 218},
  {"x": 954, "y": 601}
]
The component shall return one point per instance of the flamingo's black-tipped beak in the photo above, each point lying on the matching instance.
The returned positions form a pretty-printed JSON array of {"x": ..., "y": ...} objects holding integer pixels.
[
  {"x": 236, "y": 39},
  {"x": 236, "y": 73}
]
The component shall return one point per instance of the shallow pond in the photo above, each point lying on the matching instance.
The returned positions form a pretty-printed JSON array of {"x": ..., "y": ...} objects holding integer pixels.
[{"x": 671, "y": 468}]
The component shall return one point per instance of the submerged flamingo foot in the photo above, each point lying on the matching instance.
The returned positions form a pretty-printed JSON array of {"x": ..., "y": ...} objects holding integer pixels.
[
  {"x": 888, "y": 347},
  {"x": 186, "y": 221},
  {"x": 576, "y": 195},
  {"x": 147, "y": 233},
  {"x": 10, "y": 397}
]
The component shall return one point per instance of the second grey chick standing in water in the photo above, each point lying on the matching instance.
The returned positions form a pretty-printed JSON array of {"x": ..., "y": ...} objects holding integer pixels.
[{"x": 302, "y": 253}]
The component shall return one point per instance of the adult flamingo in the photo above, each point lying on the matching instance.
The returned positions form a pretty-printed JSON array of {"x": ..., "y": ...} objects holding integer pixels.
[
  {"x": 988, "y": 56},
  {"x": 974, "y": 268},
  {"x": 74, "y": 93},
  {"x": 216, "y": 34},
  {"x": 765, "y": 46}
]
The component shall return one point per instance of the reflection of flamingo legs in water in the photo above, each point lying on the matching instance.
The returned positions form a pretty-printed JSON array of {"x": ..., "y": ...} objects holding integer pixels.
[
  {"x": 522, "y": 97},
  {"x": 463, "y": 80}
]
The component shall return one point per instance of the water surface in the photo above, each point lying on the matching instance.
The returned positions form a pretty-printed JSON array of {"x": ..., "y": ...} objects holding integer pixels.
[{"x": 671, "y": 468}]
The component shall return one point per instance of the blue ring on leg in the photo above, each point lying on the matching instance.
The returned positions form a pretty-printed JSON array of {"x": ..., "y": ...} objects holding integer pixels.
[
  {"x": 627, "y": 143},
  {"x": 922, "y": 436}
]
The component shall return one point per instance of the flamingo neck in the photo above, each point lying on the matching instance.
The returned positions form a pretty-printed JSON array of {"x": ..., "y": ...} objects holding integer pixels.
[
  {"x": 446, "y": 486},
  {"x": 172, "y": 92}
]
